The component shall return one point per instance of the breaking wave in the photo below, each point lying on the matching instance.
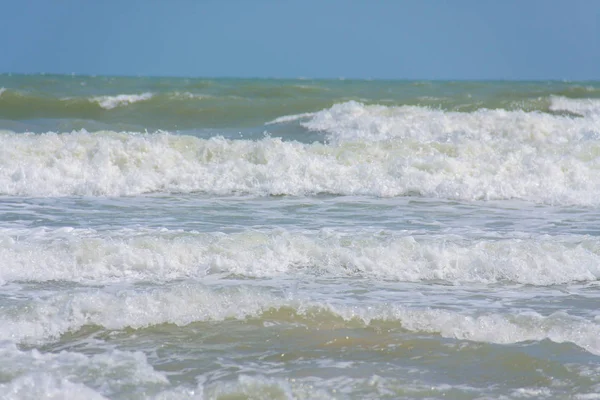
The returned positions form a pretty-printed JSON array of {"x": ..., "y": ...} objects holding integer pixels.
[
  {"x": 373, "y": 150},
  {"x": 88, "y": 256}
]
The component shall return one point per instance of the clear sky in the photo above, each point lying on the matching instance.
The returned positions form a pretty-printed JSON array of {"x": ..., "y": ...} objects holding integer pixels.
[{"x": 379, "y": 39}]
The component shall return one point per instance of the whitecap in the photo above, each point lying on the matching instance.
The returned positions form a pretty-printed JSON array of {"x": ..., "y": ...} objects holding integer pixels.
[
  {"x": 583, "y": 107},
  {"x": 110, "y": 102},
  {"x": 87, "y": 256}
]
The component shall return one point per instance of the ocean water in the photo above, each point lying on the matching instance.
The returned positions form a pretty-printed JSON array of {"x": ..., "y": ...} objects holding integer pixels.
[{"x": 172, "y": 238}]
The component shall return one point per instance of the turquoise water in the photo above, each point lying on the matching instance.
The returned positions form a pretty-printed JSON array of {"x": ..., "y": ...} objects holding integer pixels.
[{"x": 195, "y": 238}]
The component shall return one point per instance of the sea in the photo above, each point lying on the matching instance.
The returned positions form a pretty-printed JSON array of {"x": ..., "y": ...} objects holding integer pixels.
[{"x": 195, "y": 238}]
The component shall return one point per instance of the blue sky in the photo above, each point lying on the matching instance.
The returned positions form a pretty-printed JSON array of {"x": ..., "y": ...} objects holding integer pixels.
[{"x": 385, "y": 39}]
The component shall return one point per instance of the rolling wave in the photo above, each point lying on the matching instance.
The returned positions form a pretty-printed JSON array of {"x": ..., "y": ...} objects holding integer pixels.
[
  {"x": 354, "y": 121},
  {"x": 110, "y": 102},
  {"x": 55, "y": 314},
  {"x": 86, "y": 256},
  {"x": 372, "y": 150},
  {"x": 583, "y": 107}
]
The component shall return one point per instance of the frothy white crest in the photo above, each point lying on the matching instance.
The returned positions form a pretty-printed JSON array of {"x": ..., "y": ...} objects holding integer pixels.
[
  {"x": 50, "y": 317},
  {"x": 110, "y": 102},
  {"x": 2, "y": 90},
  {"x": 490, "y": 328},
  {"x": 289, "y": 118},
  {"x": 558, "y": 169},
  {"x": 47, "y": 318},
  {"x": 583, "y": 107},
  {"x": 354, "y": 121},
  {"x": 147, "y": 255},
  {"x": 33, "y": 373}
]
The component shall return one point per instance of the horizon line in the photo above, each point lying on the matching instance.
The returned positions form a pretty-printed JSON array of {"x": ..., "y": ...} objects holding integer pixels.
[{"x": 298, "y": 78}]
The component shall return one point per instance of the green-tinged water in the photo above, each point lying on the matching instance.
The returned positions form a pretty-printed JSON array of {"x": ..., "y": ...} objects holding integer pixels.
[
  {"x": 173, "y": 238},
  {"x": 175, "y": 104}
]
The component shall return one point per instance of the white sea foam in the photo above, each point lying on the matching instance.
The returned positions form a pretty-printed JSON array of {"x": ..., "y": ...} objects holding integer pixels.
[
  {"x": 492, "y": 328},
  {"x": 583, "y": 107},
  {"x": 49, "y": 316},
  {"x": 375, "y": 150},
  {"x": 2, "y": 90},
  {"x": 71, "y": 375},
  {"x": 110, "y": 102},
  {"x": 353, "y": 121},
  {"x": 152, "y": 255},
  {"x": 44, "y": 386}
]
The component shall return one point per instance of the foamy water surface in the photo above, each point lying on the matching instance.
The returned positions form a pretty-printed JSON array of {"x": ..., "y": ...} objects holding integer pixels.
[{"x": 314, "y": 240}]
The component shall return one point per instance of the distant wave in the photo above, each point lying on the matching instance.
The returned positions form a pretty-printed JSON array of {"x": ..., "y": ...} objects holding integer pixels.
[
  {"x": 27, "y": 102},
  {"x": 189, "y": 96},
  {"x": 289, "y": 118},
  {"x": 355, "y": 121},
  {"x": 248, "y": 104},
  {"x": 583, "y": 107},
  {"x": 110, "y": 102}
]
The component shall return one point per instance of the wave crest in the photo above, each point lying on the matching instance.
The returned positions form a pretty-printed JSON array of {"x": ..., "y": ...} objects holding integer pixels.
[
  {"x": 556, "y": 170},
  {"x": 583, "y": 107},
  {"x": 87, "y": 256},
  {"x": 110, "y": 102},
  {"x": 53, "y": 315},
  {"x": 354, "y": 121}
]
